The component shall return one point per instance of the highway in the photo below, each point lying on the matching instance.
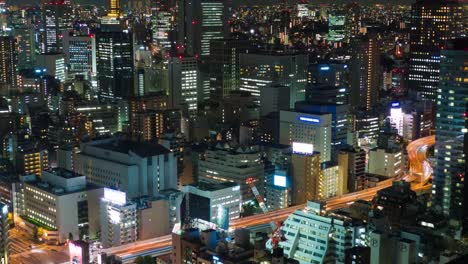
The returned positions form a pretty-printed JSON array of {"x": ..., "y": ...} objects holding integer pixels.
[{"x": 417, "y": 157}]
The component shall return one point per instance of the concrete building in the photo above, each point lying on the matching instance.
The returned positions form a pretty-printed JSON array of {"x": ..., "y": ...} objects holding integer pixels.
[
  {"x": 157, "y": 216},
  {"x": 118, "y": 219},
  {"x": 277, "y": 190},
  {"x": 448, "y": 187},
  {"x": 274, "y": 98},
  {"x": 315, "y": 129},
  {"x": 352, "y": 165},
  {"x": 228, "y": 164},
  {"x": 386, "y": 162},
  {"x": 313, "y": 237},
  {"x": 54, "y": 65},
  {"x": 80, "y": 53},
  {"x": 216, "y": 203},
  {"x": 135, "y": 168},
  {"x": 4, "y": 235},
  {"x": 60, "y": 204},
  {"x": 261, "y": 69},
  {"x": 184, "y": 81},
  {"x": 306, "y": 176}
]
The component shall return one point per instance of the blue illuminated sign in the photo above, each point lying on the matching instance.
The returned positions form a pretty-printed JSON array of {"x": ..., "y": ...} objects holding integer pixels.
[
  {"x": 396, "y": 104},
  {"x": 309, "y": 119},
  {"x": 324, "y": 68}
]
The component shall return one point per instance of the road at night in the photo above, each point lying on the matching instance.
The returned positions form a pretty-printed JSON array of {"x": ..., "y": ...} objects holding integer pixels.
[{"x": 417, "y": 156}]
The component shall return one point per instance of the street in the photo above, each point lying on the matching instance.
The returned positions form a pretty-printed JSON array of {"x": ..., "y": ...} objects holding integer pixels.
[{"x": 23, "y": 250}]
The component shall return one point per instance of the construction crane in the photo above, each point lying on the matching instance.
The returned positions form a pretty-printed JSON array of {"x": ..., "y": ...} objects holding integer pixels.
[{"x": 277, "y": 234}]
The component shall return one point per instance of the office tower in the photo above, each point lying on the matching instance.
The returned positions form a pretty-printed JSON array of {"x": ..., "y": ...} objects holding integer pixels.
[
  {"x": 138, "y": 169},
  {"x": 386, "y": 162},
  {"x": 331, "y": 235},
  {"x": 118, "y": 219},
  {"x": 277, "y": 189},
  {"x": 58, "y": 202},
  {"x": 364, "y": 71},
  {"x": 263, "y": 68},
  {"x": 184, "y": 82},
  {"x": 4, "y": 231},
  {"x": 449, "y": 175},
  {"x": 224, "y": 66},
  {"x": 217, "y": 203},
  {"x": 274, "y": 98},
  {"x": 146, "y": 126},
  {"x": 54, "y": 65},
  {"x": 226, "y": 163},
  {"x": 25, "y": 39},
  {"x": 352, "y": 163},
  {"x": 8, "y": 62},
  {"x": 432, "y": 24},
  {"x": 303, "y": 127},
  {"x": 353, "y": 20},
  {"x": 57, "y": 17},
  {"x": 80, "y": 53},
  {"x": 114, "y": 51},
  {"x": 306, "y": 176},
  {"x": 201, "y": 21},
  {"x": 367, "y": 125},
  {"x": 163, "y": 24},
  {"x": 327, "y": 83},
  {"x": 339, "y": 122}
]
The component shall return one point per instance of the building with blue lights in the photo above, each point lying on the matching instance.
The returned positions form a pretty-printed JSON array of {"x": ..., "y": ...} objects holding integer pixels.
[{"x": 304, "y": 127}]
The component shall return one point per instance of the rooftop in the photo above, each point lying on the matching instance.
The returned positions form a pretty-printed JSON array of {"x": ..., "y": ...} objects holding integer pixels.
[{"x": 146, "y": 149}]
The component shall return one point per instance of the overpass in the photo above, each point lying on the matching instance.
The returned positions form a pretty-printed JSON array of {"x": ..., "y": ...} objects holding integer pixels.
[{"x": 418, "y": 174}]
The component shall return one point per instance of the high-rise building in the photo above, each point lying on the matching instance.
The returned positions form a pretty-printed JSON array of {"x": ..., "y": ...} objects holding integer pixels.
[
  {"x": 115, "y": 65},
  {"x": 80, "y": 53},
  {"x": 54, "y": 65},
  {"x": 352, "y": 164},
  {"x": 4, "y": 234},
  {"x": 303, "y": 127},
  {"x": 216, "y": 203},
  {"x": 386, "y": 162},
  {"x": 57, "y": 17},
  {"x": 139, "y": 169},
  {"x": 364, "y": 71},
  {"x": 261, "y": 69},
  {"x": 118, "y": 219},
  {"x": 201, "y": 21},
  {"x": 163, "y": 24},
  {"x": 8, "y": 62},
  {"x": 184, "y": 83},
  {"x": 25, "y": 39},
  {"x": 224, "y": 65},
  {"x": 449, "y": 175},
  {"x": 225, "y": 163},
  {"x": 306, "y": 177},
  {"x": 432, "y": 24},
  {"x": 327, "y": 83}
]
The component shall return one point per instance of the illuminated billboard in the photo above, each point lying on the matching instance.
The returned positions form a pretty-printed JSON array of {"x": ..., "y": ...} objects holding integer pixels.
[
  {"x": 114, "y": 196},
  {"x": 279, "y": 180},
  {"x": 302, "y": 148},
  {"x": 76, "y": 253}
]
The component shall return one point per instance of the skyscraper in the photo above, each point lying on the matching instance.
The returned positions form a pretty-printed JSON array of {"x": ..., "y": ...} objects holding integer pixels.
[
  {"x": 201, "y": 21},
  {"x": 448, "y": 185},
  {"x": 8, "y": 61},
  {"x": 183, "y": 82},
  {"x": 57, "y": 17},
  {"x": 365, "y": 71},
  {"x": 432, "y": 23},
  {"x": 114, "y": 49},
  {"x": 80, "y": 53}
]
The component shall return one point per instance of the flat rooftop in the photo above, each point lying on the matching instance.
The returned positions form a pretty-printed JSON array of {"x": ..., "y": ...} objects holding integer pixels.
[{"x": 146, "y": 149}]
